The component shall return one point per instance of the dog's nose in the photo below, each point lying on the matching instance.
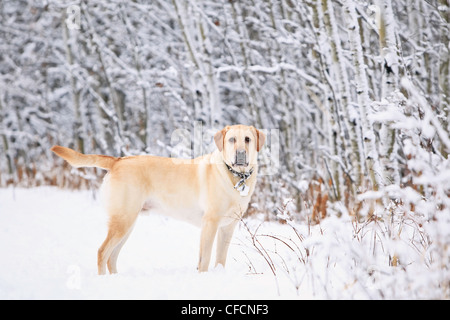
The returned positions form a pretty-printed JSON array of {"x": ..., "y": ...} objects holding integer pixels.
[{"x": 240, "y": 157}]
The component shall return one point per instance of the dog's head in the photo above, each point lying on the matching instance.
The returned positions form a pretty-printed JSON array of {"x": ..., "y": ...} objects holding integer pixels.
[{"x": 239, "y": 146}]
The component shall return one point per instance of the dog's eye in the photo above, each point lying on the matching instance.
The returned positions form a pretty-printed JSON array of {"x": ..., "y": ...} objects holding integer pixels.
[
  {"x": 232, "y": 140},
  {"x": 247, "y": 139}
]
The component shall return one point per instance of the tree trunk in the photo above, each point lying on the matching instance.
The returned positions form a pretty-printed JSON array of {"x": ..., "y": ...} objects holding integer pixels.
[
  {"x": 372, "y": 167},
  {"x": 78, "y": 124},
  {"x": 389, "y": 52},
  {"x": 444, "y": 67}
]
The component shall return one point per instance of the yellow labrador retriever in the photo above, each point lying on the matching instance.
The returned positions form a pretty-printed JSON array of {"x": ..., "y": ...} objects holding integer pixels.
[{"x": 211, "y": 191}]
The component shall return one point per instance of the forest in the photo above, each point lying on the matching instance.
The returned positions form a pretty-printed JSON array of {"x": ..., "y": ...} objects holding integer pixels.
[{"x": 354, "y": 97}]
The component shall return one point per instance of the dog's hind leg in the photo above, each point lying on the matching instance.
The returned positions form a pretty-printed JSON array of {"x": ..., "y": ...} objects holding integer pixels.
[
  {"x": 112, "y": 261},
  {"x": 118, "y": 232}
]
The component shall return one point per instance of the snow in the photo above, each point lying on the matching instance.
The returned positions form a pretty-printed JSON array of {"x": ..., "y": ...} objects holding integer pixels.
[
  {"x": 49, "y": 248},
  {"x": 50, "y": 239}
]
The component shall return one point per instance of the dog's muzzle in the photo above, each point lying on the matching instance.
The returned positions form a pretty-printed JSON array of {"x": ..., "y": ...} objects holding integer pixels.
[{"x": 241, "y": 158}]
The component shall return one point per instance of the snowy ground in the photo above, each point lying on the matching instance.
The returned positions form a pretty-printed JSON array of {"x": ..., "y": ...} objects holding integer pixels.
[
  {"x": 49, "y": 249},
  {"x": 49, "y": 239}
]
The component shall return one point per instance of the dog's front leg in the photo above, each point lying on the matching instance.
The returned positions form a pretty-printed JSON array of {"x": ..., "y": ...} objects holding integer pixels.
[
  {"x": 208, "y": 233},
  {"x": 223, "y": 242}
]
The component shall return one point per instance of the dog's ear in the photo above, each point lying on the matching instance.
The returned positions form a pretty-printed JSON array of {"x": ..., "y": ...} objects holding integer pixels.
[
  {"x": 260, "y": 139},
  {"x": 219, "y": 137}
]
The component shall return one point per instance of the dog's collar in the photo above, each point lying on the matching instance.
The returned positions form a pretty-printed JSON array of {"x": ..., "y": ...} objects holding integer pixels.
[{"x": 243, "y": 176}]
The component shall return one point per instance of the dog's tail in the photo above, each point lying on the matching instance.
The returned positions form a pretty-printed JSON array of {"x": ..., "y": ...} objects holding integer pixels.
[{"x": 77, "y": 159}]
